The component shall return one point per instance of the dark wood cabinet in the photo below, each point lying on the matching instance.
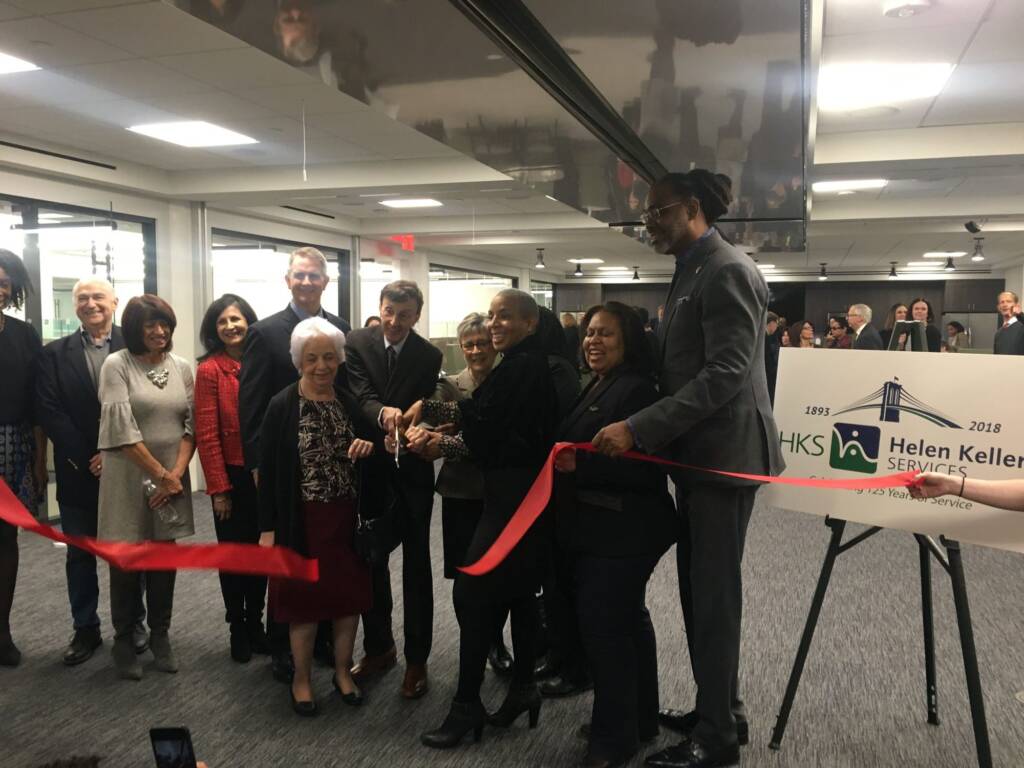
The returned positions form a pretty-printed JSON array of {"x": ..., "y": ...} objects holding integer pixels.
[{"x": 972, "y": 295}]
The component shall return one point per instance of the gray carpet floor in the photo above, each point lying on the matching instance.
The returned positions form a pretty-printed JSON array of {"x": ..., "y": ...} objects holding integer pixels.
[{"x": 861, "y": 702}]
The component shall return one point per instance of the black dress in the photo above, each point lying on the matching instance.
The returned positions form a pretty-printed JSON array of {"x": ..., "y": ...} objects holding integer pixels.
[{"x": 508, "y": 428}]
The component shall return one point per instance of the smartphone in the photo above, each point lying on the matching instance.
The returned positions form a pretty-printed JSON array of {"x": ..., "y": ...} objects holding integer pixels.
[{"x": 172, "y": 748}]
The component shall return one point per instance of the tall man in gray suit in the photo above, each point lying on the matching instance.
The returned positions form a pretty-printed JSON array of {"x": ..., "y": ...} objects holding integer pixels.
[{"x": 714, "y": 412}]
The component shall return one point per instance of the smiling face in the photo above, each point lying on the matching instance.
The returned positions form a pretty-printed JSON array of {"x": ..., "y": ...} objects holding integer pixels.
[
  {"x": 95, "y": 304},
  {"x": 900, "y": 313},
  {"x": 669, "y": 220},
  {"x": 320, "y": 363},
  {"x": 919, "y": 311},
  {"x": 479, "y": 352},
  {"x": 506, "y": 325},
  {"x": 397, "y": 318},
  {"x": 604, "y": 345},
  {"x": 156, "y": 335},
  {"x": 306, "y": 280},
  {"x": 232, "y": 327}
]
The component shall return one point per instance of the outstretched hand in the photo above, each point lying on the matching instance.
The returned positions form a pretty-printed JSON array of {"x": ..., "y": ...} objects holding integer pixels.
[
  {"x": 928, "y": 485},
  {"x": 413, "y": 416}
]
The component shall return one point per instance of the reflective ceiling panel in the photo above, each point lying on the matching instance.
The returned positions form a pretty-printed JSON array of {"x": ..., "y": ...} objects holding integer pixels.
[{"x": 711, "y": 83}]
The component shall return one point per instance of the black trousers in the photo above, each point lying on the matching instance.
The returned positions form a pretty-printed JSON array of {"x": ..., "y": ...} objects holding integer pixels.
[
  {"x": 244, "y": 594},
  {"x": 412, "y": 510},
  {"x": 565, "y": 647},
  {"x": 8, "y": 575},
  {"x": 621, "y": 649},
  {"x": 709, "y": 556},
  {"x": 479, "y": 623},
  {"x": 126, "y": 591}
]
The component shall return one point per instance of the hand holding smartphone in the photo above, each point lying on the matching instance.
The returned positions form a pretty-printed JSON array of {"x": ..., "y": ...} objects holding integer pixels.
[{"x": 172, "y": 748}]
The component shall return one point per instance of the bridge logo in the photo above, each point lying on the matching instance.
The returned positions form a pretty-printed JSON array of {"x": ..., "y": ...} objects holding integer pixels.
[
  {"x": 892, "y": 399},
  {"x": 855, "y": 448}
]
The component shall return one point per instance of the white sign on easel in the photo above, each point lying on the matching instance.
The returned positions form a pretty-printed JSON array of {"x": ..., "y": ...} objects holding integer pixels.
[{"x": 852, "y": 413}]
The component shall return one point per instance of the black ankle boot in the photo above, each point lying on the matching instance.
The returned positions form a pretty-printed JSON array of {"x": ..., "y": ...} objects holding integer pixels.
[
  {"x": 462, "y": 718},
  {"x": 521, "y": 698},
  {"x": 258, "y": 639},
  {"x": 241, "y": 648}
]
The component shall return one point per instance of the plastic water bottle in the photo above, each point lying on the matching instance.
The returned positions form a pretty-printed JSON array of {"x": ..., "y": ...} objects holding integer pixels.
[{"x": 168, "y": 514}]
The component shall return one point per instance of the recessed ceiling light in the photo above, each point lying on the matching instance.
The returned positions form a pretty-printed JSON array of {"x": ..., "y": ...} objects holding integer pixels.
[
  {"x": 904, "y": 9},
  {"x": 923, "y": 264},
  {"x": 193, "y": 133},
  {"x": 11, "y": 64},
  {"x": 609, "y": 269},
  {"x": 586, "y": 261},
  {"x": 55, "y": 216},
  {"x": 766, "y": 266},
  {"x": 844, "y": 192},
  {"x": 864, "y": 85},
  {"x": 945, "y": 254},
  {"x": 412, "y": 202},
  {"x": 849, "y": 185}
]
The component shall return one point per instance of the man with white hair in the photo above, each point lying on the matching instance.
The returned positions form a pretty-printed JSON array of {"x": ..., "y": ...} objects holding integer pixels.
[
  {"x": 69, "y": 410},
  {"x": 865, "y": 336}
]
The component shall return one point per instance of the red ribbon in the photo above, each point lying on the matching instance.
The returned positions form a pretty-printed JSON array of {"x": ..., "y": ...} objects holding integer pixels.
[
  {"x": 539, "y": 495},
  {"x": 280, "y": 562}
]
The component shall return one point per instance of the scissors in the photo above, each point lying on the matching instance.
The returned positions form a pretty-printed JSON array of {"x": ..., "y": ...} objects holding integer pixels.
[{"x": 397, "y": 445}]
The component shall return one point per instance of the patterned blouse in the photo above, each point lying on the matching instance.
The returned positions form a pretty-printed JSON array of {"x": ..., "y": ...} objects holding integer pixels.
[
  {"x": 325, "y": 434},
  {"x": 442, "y": 412}
]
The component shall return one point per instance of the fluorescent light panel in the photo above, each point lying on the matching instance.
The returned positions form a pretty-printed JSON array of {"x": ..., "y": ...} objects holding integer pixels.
[
  {"x": 612, "y": 269},
  {"x": 945, "y": 254},
  {"x": 850, "y": 185},
  {"x": 586, "y": 261},
  {"x": 928, "y": 264},
  {"x": 412, "y": 202},
  {"x": 853, "y": 86},
  {"x": 9, "y": 65},
  {"x": 193, "y": 134}
]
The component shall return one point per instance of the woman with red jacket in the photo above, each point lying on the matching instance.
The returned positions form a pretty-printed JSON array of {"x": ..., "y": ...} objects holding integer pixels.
[{"x": 230, "y": 485}]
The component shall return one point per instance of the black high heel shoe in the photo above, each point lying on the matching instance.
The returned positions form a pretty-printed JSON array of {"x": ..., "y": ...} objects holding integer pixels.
[
  {"x": 303, "y": 708},
  {"x": 462, "y": 718},
  {"x": 521, "y": 698},
  {"x": 354, "y": 699}
]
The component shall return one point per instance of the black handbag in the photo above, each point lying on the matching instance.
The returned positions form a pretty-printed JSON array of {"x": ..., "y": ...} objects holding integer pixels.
[{"x": 375, "y": 537}]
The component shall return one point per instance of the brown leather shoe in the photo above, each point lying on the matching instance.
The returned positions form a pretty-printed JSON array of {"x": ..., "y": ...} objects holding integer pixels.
[
  {"x": 371, "y": 666},
  {"x": 415, "y": 683}
]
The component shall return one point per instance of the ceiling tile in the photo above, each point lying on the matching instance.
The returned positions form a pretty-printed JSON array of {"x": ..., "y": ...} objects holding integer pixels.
[
  {"x": 214, "y": 106},
  {"x": 317, "y": 98},
  {"x": 138, "y": 78},
  {"x": 987, "y": 92},
  {"x": 50, "y": 45},
  {"x": 150, "y": 29},
  {"x": 236, "y": 69},
  {"x": 8, "y": 12}
]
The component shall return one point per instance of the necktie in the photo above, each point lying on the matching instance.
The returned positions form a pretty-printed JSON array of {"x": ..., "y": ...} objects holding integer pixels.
[{"x": 392, "y": 361}]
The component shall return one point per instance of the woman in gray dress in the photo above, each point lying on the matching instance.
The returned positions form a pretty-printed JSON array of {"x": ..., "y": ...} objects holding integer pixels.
[{"x": 146, "y": 435}]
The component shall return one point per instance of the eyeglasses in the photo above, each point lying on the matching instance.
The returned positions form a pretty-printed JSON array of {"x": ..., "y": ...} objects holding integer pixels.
[
  {"x": 481, "y": 346},
  {"x": 652, "y": 214}
]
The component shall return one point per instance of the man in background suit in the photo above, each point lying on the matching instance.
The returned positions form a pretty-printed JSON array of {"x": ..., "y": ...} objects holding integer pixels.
[
  {"x": 864, "y": 334},
  {"x": 390, "y": 367},
  {"x": 69, "y": 410},
  {"x": 267, "y": 368},
  {"x": 714, "y": 412},
  {"x": 1009, "y": 339}
]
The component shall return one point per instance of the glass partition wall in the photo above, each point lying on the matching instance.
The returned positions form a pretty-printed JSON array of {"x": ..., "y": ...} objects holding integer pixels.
[
  {"x": 454, "y": 293},
  {"x": 254, "y": 267},
  {"x": 62, "y": 244}
]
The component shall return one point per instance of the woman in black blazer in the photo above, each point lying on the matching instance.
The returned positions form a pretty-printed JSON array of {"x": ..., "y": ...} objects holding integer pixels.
[{"x": 616, "y": 519}]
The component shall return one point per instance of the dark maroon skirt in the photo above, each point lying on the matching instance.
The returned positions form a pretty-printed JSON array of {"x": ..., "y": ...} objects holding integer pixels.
[{"x": 344, "y": 587}]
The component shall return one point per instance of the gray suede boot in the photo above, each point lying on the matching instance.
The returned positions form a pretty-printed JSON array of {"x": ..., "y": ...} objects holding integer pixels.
[
  {"x": 127, "y": 662},
  {"x": 160, "y": 645}
]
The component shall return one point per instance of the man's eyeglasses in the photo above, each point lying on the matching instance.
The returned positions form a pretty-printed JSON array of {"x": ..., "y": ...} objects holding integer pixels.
[
  {"x": 470, "y": 346},
  {"x": 652, "y": 214}
]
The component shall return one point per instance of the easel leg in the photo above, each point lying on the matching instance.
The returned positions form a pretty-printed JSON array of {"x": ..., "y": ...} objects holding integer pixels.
[
  {"x": 963, "y": 620},
  {"x": 932, "y": 696},
  {"x": 837, "y": 526}
]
